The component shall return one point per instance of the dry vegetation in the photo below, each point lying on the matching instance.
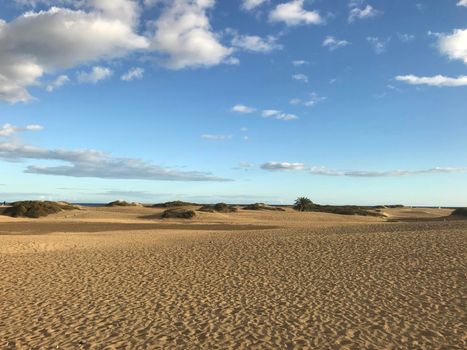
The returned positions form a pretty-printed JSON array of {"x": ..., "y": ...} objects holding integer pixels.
[
  {"x": 262, "y": 206},
  {"x": 36, "y": 209},
  {"x": 122, "y": 204},
  {"x": 462, "y": 212},
  {"x": 219, "y": 208},
  {"x": 177, "y": 213}
]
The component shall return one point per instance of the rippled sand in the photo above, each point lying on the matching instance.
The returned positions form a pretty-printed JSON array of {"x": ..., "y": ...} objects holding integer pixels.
[{"x": 317, "y": 282}]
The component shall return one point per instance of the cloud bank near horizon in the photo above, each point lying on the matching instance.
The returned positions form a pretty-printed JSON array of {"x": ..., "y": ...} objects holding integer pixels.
[{"x": 314, "y": 170}]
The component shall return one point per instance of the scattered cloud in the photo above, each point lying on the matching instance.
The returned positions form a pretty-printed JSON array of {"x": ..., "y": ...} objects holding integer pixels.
[
  {"x": 282, "y": 166},
  {"x": 333, "y": 44},
  {"x": 405, "y": 38},
  {"x": 37, "y": 43},
  {"x": 95, "y": 75},
  {"x": 278, "y": 115},
  {"x": 239, "y": 108},
  {"x": 300, "y": 77},
  {"x": 9, "y": 129},
  {"x": 299, "y": 63},
  {"x": 379, "y": 45},
  {"x": 462, "y": 3},
  {"x": 57, "y": 83},
  {"x": 437, "y": 80},
  {"x": 215, "y": 137},
  {"x": 252, "y": 4},
  {"x": 313, "y": 99},
  {"x": 292, "y": 13},
  {"x": 245, "y": 166},
  {"x": 310, "y": 101},
  {"x": 454, "y": 45},
  {"x": 255, "y": 43},
  {"x": 132, "y": 74},
  {"x": 184, "y": 36},
  {"x": 92, "y": 163},
  {"x": 392, "y": 173},
  {"x": 357, "y": 13}
]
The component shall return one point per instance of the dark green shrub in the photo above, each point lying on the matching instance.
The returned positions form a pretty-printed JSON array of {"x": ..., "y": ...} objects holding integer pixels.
[
  {"x": 460, "y": 212},
  {"x": 173, "y": 204},
  {"x": 219, "y": 208},
  {"x": 261, "y": 206},
  {"x": 178, "y": 214},
  {"x": 303, "y": 204},
  {"x": 36, "y": 209},
  {"x": 121, "y": 204}
]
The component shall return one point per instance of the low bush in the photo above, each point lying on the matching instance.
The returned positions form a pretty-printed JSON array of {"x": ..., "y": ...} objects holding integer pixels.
[
  {"x": 36, "y": 209},
  {"x": 304, "y": 204},
  {"x": 460, "y": 212},
  {"x": 219, "y": 208},
  {"x": 261, "y": 206},
  {"x": 121, "y": 204},
  {"x": 178, "y": 214},
  {"x": 172, "y": 204}
]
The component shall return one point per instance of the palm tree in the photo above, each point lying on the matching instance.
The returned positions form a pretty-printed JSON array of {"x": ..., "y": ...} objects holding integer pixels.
[{"x": 303, "y": 204}]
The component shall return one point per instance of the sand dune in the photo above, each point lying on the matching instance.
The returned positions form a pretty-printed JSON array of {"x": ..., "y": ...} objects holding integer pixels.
[{"x": 319, "y": 281}]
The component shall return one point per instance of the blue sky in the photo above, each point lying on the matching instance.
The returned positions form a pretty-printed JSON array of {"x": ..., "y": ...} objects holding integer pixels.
[{"x": 356, "y": 102}]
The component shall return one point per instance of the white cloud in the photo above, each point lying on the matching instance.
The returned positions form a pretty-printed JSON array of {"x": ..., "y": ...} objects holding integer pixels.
[
  {"x": 462, "y": 3},
  {"x": 334, "y": 44},
  {"x": 270, "y": 112},
  {"x": 292, "y": 13},
  {"x": 95, "y": 75},
  {"x": 282, "y": 166},
  {"x": 34, "y": 3},
  {"x": 314, "y": 170},
  {"x": 379, "y": 46},
  {"x": 313, "y": 99},
  {"x": 57, "y": 83},
  {"x": 8, "y": 129},
  {"x": 245, "y": 166},
  {"x": 362, "y": 13},
  {"x": 405, "y": 38},
  {"x": 90, "y": 31},
  {"x": 454, "y": 45},
  {"x": 255, "y": 43},
  {"x": 216, "y": 137},
  {"x": 252, "y": 4},
  {"x": 37, "y": 43},
  {"x": 300, "y": 77},
  {"x": 310, "y": 101},
  {"x": 132, "y": 74},
  {"x": 239, "y": 108},
  {"x": 390, "y": 173},
  {"x": 299, "y": 63},
  {"x": 184, "y": 35},
  {"x": 437, "y": 80},
  {"x": 278, "y": 115},
  {"x": 91, "y": 163}
]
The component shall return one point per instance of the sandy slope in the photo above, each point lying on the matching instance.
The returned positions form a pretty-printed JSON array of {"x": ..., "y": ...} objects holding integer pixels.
[{"x": 319, "y": 282}]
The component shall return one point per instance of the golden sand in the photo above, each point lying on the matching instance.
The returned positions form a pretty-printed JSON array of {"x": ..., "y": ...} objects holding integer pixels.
[{"x": 314, "y": 281}]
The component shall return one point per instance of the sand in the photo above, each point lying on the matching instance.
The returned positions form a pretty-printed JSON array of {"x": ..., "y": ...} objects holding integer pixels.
[{"x": 246, "y": 280}]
